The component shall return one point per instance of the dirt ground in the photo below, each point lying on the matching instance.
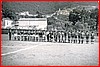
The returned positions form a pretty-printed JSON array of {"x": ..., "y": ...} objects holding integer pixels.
[{"x": 47, "y": 53}]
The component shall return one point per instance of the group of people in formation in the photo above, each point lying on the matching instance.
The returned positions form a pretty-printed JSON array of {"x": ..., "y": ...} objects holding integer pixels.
[
  {"x": 55, "y": 36},
  {"x": 71, "y": 37}
]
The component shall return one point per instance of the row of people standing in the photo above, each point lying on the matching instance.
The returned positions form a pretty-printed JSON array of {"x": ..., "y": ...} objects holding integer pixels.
[
  {"x": 81, "y": 37},
  {"x": 71, "y": 36},
  {"x": 55, "y": 36}
]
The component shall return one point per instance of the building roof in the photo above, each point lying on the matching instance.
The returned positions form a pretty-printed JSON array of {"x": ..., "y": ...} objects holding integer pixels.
[
  {"x": 6, "y": 19},
  {"x": 32, "y": 19}
]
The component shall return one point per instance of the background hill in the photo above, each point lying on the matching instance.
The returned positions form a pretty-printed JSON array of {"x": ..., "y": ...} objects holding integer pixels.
[
  {"x": 62, "y": 22},
  {"x": 43, "y": 7}
]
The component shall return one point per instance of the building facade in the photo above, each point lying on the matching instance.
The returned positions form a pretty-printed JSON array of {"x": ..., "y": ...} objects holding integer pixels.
[
  {"x": 32, "y": 23},
  {"x": 6, "y": 23}
]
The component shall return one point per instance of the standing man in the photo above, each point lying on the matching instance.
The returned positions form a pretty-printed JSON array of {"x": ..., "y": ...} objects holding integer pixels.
[
  {"x": 55, "y": 36},
  {"x": 92, "y": 38},
  {"x": 75, "y": 38},
  {"x": 59, "y": 36},
  {"x": 48, "y": 38},
  {"x": 87, "y": 37},
  {"x": 79, "y": 36},
  {"x": 72, "y": 36},
  {"x": 62, "y": 34},
  {"x": 9, "y": 34},
  {"x": 51, "y": 36},
  {"x": 82, "y": 37},
  {"x": 65, "y": 36},
  {"x": 69, "y": 36}
]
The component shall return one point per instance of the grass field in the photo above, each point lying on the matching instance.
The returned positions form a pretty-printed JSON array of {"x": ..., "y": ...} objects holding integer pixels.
[{"x": 47, "y": 53}]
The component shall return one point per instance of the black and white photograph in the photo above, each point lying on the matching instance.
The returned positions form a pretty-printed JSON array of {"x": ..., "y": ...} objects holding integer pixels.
[{"x": 50, "y": 34}]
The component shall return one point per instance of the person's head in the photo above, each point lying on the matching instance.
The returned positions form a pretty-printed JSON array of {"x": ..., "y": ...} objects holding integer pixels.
[
  {"x": 82, "y": 31},
  {"x": 86, "y": 31},
  {"x": 92, "y": 32}
]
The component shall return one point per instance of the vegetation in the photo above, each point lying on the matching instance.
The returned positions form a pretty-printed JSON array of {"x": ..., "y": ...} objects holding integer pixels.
[{"x": 78, "y": 19}]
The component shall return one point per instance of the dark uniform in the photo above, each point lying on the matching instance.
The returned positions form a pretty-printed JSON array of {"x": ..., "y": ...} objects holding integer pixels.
[
  {"x": 92, "y": 37},
  {"x": 87, "y": 37},
  {"x": 79, "y": 36},
  {"x": 55, "y": 36},
  {"x": 40, "y": 35},
  {"x": 22, "y": 32},
  {"x": 82, "y": 37},
  {"x": 69, "y": 36},
  {"x": 65, "y": 34},
  {"x": 59, "y": 36},
  {"x": 51, "y": 36},
  {"x": 48, "y": 36},
  {"x": 75, "y": 37},
  {"x": 72, "y": 37},
  {"x": 9, "y": 33}
]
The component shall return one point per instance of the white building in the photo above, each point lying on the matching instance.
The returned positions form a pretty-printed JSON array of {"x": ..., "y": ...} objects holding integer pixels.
[
  {"x": 6, "y": 23},
  {"x": 63, "y": 12},
  {"x": 32, "y": 23}
]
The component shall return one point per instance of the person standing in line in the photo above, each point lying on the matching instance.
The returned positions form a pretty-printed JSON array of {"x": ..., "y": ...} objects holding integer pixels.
[
  {"x": 69, "y": 37},
  {"x": 65, "y": 36},
  {"x": 46, "y": 34},
  {"x": 48, "y": 38},
  {"x": 79, "y": 36},
  {"x": 87, "y": 37},
  {"x": 9, "y": 34},
  {"x": 92, "y": 37},
  {"x": 15, "y": 35},
  {"x": 75, "y": 37},
  {"x": 18, "y": 35},
  {"x": 43, "y": 35},
  {"x": 22, "y": 35},
  {"x": 72, "y": 36},
  {"x": 55, "y": 36},
  {"x": 82, "y": 37},
  {"x": 58, "y": 36},
  {"x": 33, "y": 35},
  {"x": 28, "y": 35},
  {"x": 62, "y": 34},
  {"x": 39, "y": 38}
]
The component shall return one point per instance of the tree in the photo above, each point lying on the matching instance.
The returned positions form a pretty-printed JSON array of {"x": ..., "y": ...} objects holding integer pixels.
[
  {"x": 74, "y": 17},
  {"x": 7, "y": 13}
]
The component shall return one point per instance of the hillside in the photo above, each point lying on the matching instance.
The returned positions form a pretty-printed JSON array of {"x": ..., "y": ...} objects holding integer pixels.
[{"x": 43, "y": 7}]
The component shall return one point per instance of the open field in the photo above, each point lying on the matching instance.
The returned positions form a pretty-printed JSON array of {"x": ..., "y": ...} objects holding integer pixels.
[{"x": 47, "y": 53}]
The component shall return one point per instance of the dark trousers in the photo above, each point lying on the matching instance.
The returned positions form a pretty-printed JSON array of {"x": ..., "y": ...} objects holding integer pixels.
[
  {"x": 68, "y": 39},
  {"x": 9, "y": 36}
]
